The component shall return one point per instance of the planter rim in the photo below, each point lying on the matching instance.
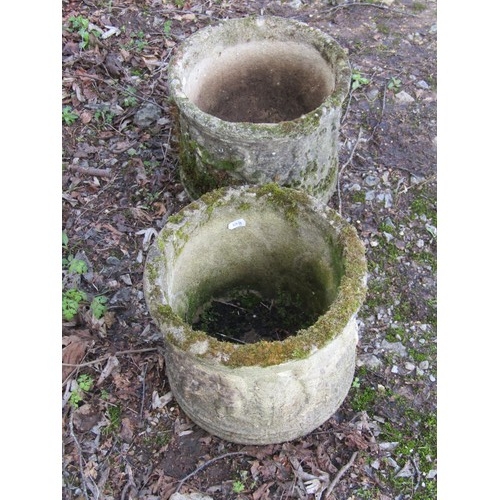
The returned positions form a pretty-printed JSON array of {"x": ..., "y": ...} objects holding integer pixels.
[
  {"x": 351, "y": 290},
  {"x": 263, "y": 130}
]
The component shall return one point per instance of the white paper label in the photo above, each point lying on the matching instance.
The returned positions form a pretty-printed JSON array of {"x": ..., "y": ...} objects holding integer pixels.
[{"x": 237, "y": 223}]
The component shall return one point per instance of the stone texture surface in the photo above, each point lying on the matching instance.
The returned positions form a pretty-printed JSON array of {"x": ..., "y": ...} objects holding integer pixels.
[
  {"x": 253, "y": 393},
  {"x": 287, "y": 66}
]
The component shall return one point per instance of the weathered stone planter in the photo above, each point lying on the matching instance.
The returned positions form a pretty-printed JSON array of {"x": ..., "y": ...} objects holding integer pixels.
[
  {"x": 266, "y": 240},
  {"x": 259, "y": 100}
]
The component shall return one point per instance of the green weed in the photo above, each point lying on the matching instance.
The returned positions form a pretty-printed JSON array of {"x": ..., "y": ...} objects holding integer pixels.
[
  {"x": 167, "y": 27},
  {"x": 114, "y": 416},
  {"x": 85, "y": 384},
  {"x": 104, "y": 116},
  {"x": 81, "y": 25},
  {"x": 130, "y": 100},
  {"x": 394, "y": 83},
  {"x": 358, "y": 81},
  {"x": 71, "y": 301},
  {"x": 68, "y": 116},
  {"x": 238, "y": 486},
  {"x": 98, "y": 307}
]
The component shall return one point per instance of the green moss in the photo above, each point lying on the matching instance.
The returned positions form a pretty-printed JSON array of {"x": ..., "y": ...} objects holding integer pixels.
[
  {"x": 348, "y": 258},
  {"x": 287, "y": 200},
  {"x": 202, "y": 170},
  {"x": 176, "y": 218},
  {"x": 418, "y": 6},
  {"x": 152, "y": 271},
  {"x": 358, "y": 197},
  {"x": 244, "y": 206}
]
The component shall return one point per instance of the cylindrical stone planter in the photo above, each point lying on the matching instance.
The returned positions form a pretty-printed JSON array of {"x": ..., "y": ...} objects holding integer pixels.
[
  {"x": 268, "y": 241},
  {"x": 259, "y": 100}
]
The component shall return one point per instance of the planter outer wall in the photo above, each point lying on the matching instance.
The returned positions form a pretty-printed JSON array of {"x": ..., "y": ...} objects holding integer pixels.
[
  {"x": 267, "y": 392},
  {"x": 300, "y": 151}
]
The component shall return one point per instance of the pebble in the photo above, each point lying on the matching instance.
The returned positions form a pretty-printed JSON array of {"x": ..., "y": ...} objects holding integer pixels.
[
  {"x": 422, "y": 84},
  {"x": 369, "y": 360},
  {"x": 409, "y": 366},
  {"x": 420, "y": 243},
  {"x": 424, "y": 365},
  {"x": 396, "y": 347},
  {"x": 147, "y": 114},
  {"x": 394, "y": 369},
  {"x": 404, "y": 98},
  {"x": 371, "y": 180}
]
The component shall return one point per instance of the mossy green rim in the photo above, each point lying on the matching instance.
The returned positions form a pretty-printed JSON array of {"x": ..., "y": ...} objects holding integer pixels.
[{"x": 351, "y": 292}]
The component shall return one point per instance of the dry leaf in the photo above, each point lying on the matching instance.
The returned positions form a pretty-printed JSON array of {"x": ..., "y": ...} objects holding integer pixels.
[
  {"x": 86, "y": 116},
  {"x": 108, "y": 369},
  {"x": 73, "y": 353},
  {"x": 262, "y": 492}
]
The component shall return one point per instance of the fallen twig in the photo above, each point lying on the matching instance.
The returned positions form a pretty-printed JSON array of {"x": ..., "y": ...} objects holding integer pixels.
[
  {"x": 80, "y": 457},
  {"x": 104, "y": 358},
  {"x": 381, "y": 114},
  {"x": 339, "y": 475},
  {"x": 209, "y": 462},
  {"x": 375, "y": 5},
  {"x": 98, "y": 172},
  {"x": 144, "y": 373},
  {"x": 345, "y": 165}
]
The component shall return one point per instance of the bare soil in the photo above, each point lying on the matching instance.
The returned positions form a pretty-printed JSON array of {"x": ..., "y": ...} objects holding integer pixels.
[{"x": 127, "y": 438}]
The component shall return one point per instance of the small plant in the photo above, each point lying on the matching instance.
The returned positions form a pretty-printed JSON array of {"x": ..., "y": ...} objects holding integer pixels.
[
  {"x": 179, "y": 3},
  {"x": 84, "y": 384},
  {"x": 238, "y": 486},
  {"x": 130, "y": 100},
  {"x": 139, "y": 41},
  {"x": 358, "y": 80},
  {"x": 362, "y": 398},
  {"x": 71, "y": 300},
  {"x": 77, "y": 266},
  {"x": 98, "y": 307},
  {"x": 167, "y": 27},
  {"x": 394, "y": 83},
  {"x": 65, "y": 240},
  {"x": 104, "y": 116},
  {"x": 69, "y": 116},
  {"x": 81, "y": 25},
  {"x": 114, "y": 416}
]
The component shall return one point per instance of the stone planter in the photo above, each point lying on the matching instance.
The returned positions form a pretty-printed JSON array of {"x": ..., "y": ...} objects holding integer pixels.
[
  {"x": 265, "y": 240},
  {"x": 259, "y": 100}
]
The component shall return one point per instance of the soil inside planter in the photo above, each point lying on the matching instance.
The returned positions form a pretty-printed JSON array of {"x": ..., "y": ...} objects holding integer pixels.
[
  {"x": 261, "y": 82},
  {"x": 249, "y": 318}
]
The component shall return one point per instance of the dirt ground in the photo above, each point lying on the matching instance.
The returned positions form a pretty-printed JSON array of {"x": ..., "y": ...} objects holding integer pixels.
[{"x": 124, "y": 436}]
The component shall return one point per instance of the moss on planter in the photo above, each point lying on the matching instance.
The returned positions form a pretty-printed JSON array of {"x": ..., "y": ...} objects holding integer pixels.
[
  {"x": 347, "y": 253},
  {"x": 201, "y": 170},
  {"x": 290, "y": 201},
  {"x": 258, "y": 151}
]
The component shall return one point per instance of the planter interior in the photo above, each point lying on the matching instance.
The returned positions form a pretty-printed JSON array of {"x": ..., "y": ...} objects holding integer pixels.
[
  {"x": 260, "y": 82},
  {"x": 288, "y": 246}
]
